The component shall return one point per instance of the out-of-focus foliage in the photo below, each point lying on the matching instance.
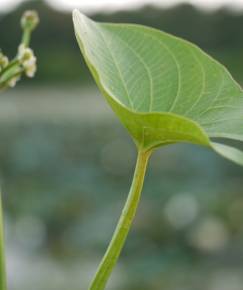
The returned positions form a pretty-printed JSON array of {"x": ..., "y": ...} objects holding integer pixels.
[{"x": 219, "y": 33}]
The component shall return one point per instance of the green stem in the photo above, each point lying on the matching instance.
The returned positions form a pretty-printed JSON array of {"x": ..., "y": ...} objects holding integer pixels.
[
  {"x": 11, "y": 71},
  {"x": 12, "y": 64},
  {"x": 26, "y": 36},
  {"x": 3, "y": 283},
  {"x": 119, "y": 237},
  {"x": 5, "y": 84}
]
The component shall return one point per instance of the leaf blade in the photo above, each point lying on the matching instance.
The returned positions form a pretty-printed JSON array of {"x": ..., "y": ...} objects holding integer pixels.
[
  {"x": 153, "y": 80},
  {"x": 229, "y": 152}
]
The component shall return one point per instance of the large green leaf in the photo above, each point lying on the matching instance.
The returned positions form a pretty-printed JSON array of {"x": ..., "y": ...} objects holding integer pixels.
[{"x": 163, "y": 89}]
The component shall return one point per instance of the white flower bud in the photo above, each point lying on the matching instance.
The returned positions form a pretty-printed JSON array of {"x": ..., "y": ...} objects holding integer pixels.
[
  {"x": 30, "y": 71},
  {"x": 27, "y": 60},
  {"x": 13, "y": 81},
  {"x": 29, "y": 20},
  {"x": 24, "y": 53}
]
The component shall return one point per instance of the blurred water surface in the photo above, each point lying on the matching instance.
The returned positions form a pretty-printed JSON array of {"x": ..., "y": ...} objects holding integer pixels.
[{"x": 66, "y": 167}]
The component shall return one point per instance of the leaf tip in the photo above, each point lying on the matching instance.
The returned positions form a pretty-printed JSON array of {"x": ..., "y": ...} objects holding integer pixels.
[
  {"x": 76, "y": 15},
  {"x": 79, "y": 20}
]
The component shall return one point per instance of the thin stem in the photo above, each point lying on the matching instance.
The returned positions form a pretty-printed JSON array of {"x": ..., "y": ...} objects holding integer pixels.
[
  {"x": 6, "y": 84},
  {"x": 3, "y": 283},
  {"x": 26, "y": 37},
  {"x": 14, "y": 62},
  {"x": 13, "y": 70},
  {"x": 119, "y": 237}
]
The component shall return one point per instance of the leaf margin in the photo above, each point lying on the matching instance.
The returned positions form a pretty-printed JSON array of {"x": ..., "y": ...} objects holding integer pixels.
[{"x": 203, "y": 137}]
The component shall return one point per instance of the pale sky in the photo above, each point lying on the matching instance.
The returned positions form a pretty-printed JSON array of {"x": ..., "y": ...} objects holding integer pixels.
[{"x": 96, "y": 5}]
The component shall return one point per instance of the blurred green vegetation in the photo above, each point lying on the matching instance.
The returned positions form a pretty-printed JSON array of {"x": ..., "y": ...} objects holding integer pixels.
[
  {"x": 66, "y": 165},
  {"x": 219, "y": 33}
]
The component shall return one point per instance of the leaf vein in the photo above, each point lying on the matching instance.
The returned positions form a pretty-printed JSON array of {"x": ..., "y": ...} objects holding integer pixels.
[
  {"x": 147, "y": 70},
  {"x": 118, "y": 69},
  {"x": 203, "y": 83}
]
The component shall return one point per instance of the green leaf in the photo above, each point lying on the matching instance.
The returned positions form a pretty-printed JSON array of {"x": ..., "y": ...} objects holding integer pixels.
[
  {"x": 229, "y": 152},
  {"x": 163, "y": 89}
]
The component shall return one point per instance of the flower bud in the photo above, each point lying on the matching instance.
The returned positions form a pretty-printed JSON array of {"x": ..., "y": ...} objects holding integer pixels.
[
  {"x": 31, "y": 70},
  {"x": 12, "y": 82},
  {"x": 27, "y": 59},
  {"x": 29, "y": 20}
]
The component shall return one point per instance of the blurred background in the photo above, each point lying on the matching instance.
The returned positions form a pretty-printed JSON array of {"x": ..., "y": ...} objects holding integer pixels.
[{"x": 66, "y": 163}]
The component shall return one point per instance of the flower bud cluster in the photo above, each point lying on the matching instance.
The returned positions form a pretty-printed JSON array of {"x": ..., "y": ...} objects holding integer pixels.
[{"x": 27, "y": 60}]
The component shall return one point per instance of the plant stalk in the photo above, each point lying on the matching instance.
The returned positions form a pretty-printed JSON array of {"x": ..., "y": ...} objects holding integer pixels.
[
  {"x": 3, "y": 282},
  {"x": 119, "y": 237},
  {"x": 26, "y": 37}
]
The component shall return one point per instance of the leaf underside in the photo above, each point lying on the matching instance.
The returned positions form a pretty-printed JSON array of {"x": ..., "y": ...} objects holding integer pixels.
[{"x": 163, "y": 89}]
